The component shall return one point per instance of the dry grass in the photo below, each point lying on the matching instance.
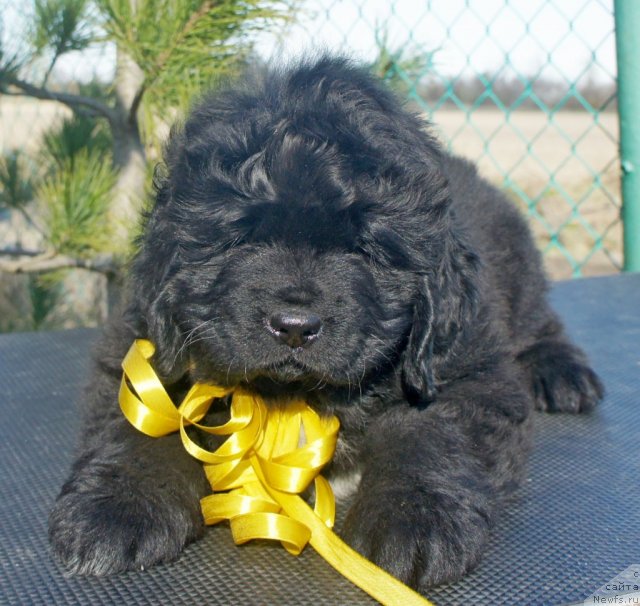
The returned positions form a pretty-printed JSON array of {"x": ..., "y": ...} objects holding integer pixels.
[{"x": 556, "y": 163}]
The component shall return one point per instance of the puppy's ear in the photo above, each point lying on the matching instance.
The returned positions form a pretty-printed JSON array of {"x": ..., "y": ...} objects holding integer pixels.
[
  {"x": 454, "y": 290},
  {"x": 152, "y": 291},
  {"x": 169, "y": 360},
  {"x": 417, "y": 372},
  {"x": 445, "y": 306}
]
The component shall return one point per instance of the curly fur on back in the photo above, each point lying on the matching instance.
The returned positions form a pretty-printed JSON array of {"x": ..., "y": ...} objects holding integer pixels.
[{"x": 311, "y": 239}]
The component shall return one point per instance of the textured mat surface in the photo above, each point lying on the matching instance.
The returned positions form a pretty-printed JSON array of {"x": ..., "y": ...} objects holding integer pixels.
[{"x": 574, "y": 525}]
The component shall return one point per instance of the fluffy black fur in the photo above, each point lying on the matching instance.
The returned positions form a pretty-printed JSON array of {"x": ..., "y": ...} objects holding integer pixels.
[{"x": 310, "y": 238}]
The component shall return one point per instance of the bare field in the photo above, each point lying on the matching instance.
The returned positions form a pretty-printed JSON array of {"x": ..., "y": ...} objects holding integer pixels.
[
  {"x": 562, "y": 170},
  {"x": 24, "y": 121}
]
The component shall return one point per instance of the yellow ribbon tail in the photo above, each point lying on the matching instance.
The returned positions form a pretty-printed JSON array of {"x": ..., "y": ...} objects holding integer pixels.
[{"x": 378, "y": 583}]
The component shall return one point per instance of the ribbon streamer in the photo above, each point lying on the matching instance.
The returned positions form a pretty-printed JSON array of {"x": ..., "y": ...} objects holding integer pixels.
[{"x": 270, "y": 457}]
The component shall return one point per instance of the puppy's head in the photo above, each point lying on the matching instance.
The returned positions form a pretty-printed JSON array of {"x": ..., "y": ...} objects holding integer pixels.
[{"x": 301, "y": 240}]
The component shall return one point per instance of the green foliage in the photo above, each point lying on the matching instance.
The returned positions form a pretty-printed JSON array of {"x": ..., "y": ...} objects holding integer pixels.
[
  {"x": 72, "y": 136},
  {"x": 16, "y": 186},
  {"x": 44, "y": 295},
  {"x": 96, "y": 89},
  {"x": 29, "y": 302},
  {"x": 9, "y": 67},
  {"x": 61, "y": 26},
  {"x": 183, "y": 46},
  {"x": 75, "y": 185},
  {"x": 74, "y": 201},
  {"x": 401, "y": 68},
  {"x": 10, "y": 63}
]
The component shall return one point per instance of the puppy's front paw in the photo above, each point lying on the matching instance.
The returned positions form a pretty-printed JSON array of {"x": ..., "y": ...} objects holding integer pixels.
[
  {"x": 421, "y": 539},
  {"x": 561, "y": 379},
  {"x": 105, "y": 522}
]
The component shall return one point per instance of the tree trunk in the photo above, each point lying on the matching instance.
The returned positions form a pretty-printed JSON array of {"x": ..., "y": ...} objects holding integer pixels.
[
  {"x": 129, "y": 160},
  {"x": 128, "y": 152}
]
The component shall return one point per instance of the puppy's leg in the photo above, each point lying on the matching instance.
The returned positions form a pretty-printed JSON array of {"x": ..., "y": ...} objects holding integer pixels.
[
  {"x": 558, "y": 373},
  {"x": 433, "y": 478},
  {"x": 130, "y": 501}
]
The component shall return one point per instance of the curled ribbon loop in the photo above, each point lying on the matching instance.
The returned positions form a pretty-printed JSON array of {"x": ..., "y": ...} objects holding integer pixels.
[{"x": 269, "y": 458}]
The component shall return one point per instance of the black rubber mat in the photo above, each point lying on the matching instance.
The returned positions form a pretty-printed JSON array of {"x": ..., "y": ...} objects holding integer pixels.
[{"x": 573, "y": 526}]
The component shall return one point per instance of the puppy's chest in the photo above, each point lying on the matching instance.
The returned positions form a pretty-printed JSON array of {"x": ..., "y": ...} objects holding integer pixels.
[{"x": 353, "y": 423}]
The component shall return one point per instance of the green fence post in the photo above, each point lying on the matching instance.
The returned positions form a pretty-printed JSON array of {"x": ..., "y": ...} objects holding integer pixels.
[{"x": 627, "y": 19}]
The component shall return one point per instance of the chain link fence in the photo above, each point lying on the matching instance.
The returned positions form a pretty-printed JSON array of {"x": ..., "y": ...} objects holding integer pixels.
[{"x": 525, "y": 88}]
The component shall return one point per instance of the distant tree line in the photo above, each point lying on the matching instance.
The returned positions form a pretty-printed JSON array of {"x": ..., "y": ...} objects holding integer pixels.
[
  {"x": 413, "y": 73},
  {"x": 487, "y": 91}
]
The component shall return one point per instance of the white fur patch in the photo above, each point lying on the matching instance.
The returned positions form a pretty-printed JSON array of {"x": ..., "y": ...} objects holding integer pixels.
[{"x": 344, "y": 485}]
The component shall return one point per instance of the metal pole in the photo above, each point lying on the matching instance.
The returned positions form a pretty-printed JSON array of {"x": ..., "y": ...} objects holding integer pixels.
[{"x": 627, "y": 19}]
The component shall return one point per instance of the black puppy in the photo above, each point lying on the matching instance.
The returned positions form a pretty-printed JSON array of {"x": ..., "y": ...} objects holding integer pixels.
[{"x": 310, "y": 239}]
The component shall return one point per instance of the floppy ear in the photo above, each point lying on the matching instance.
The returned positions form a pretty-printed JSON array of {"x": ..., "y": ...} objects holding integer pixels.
[
  {"x": 151, "y": 289},
  {"x": 417, "y": 371},
  {"x": 169, "y": 360},
  {"x": 444, "y": 307},
  {"x": 454, "y": 290}
]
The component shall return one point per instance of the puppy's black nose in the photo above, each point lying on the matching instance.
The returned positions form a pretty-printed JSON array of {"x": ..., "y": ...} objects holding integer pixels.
[{"x": 294, "y": 328}]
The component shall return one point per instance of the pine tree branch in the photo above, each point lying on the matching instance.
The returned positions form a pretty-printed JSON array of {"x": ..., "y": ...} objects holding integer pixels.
[
  {"x": 20, "y": 252},
  {"x": 27, "y": 217},
  {"x": 70, "y": 100},
  {"x": 51, "y": 261},
  {"x": 52, "y": 64},
  {"x": 165, "y": 55}
]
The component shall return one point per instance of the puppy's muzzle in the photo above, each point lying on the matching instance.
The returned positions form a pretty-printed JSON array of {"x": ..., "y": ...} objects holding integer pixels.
[{"x": 294, "y": 328}]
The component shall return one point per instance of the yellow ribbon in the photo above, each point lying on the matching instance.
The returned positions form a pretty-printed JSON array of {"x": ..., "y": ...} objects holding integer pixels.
[{"x": 257, "y": 474}]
